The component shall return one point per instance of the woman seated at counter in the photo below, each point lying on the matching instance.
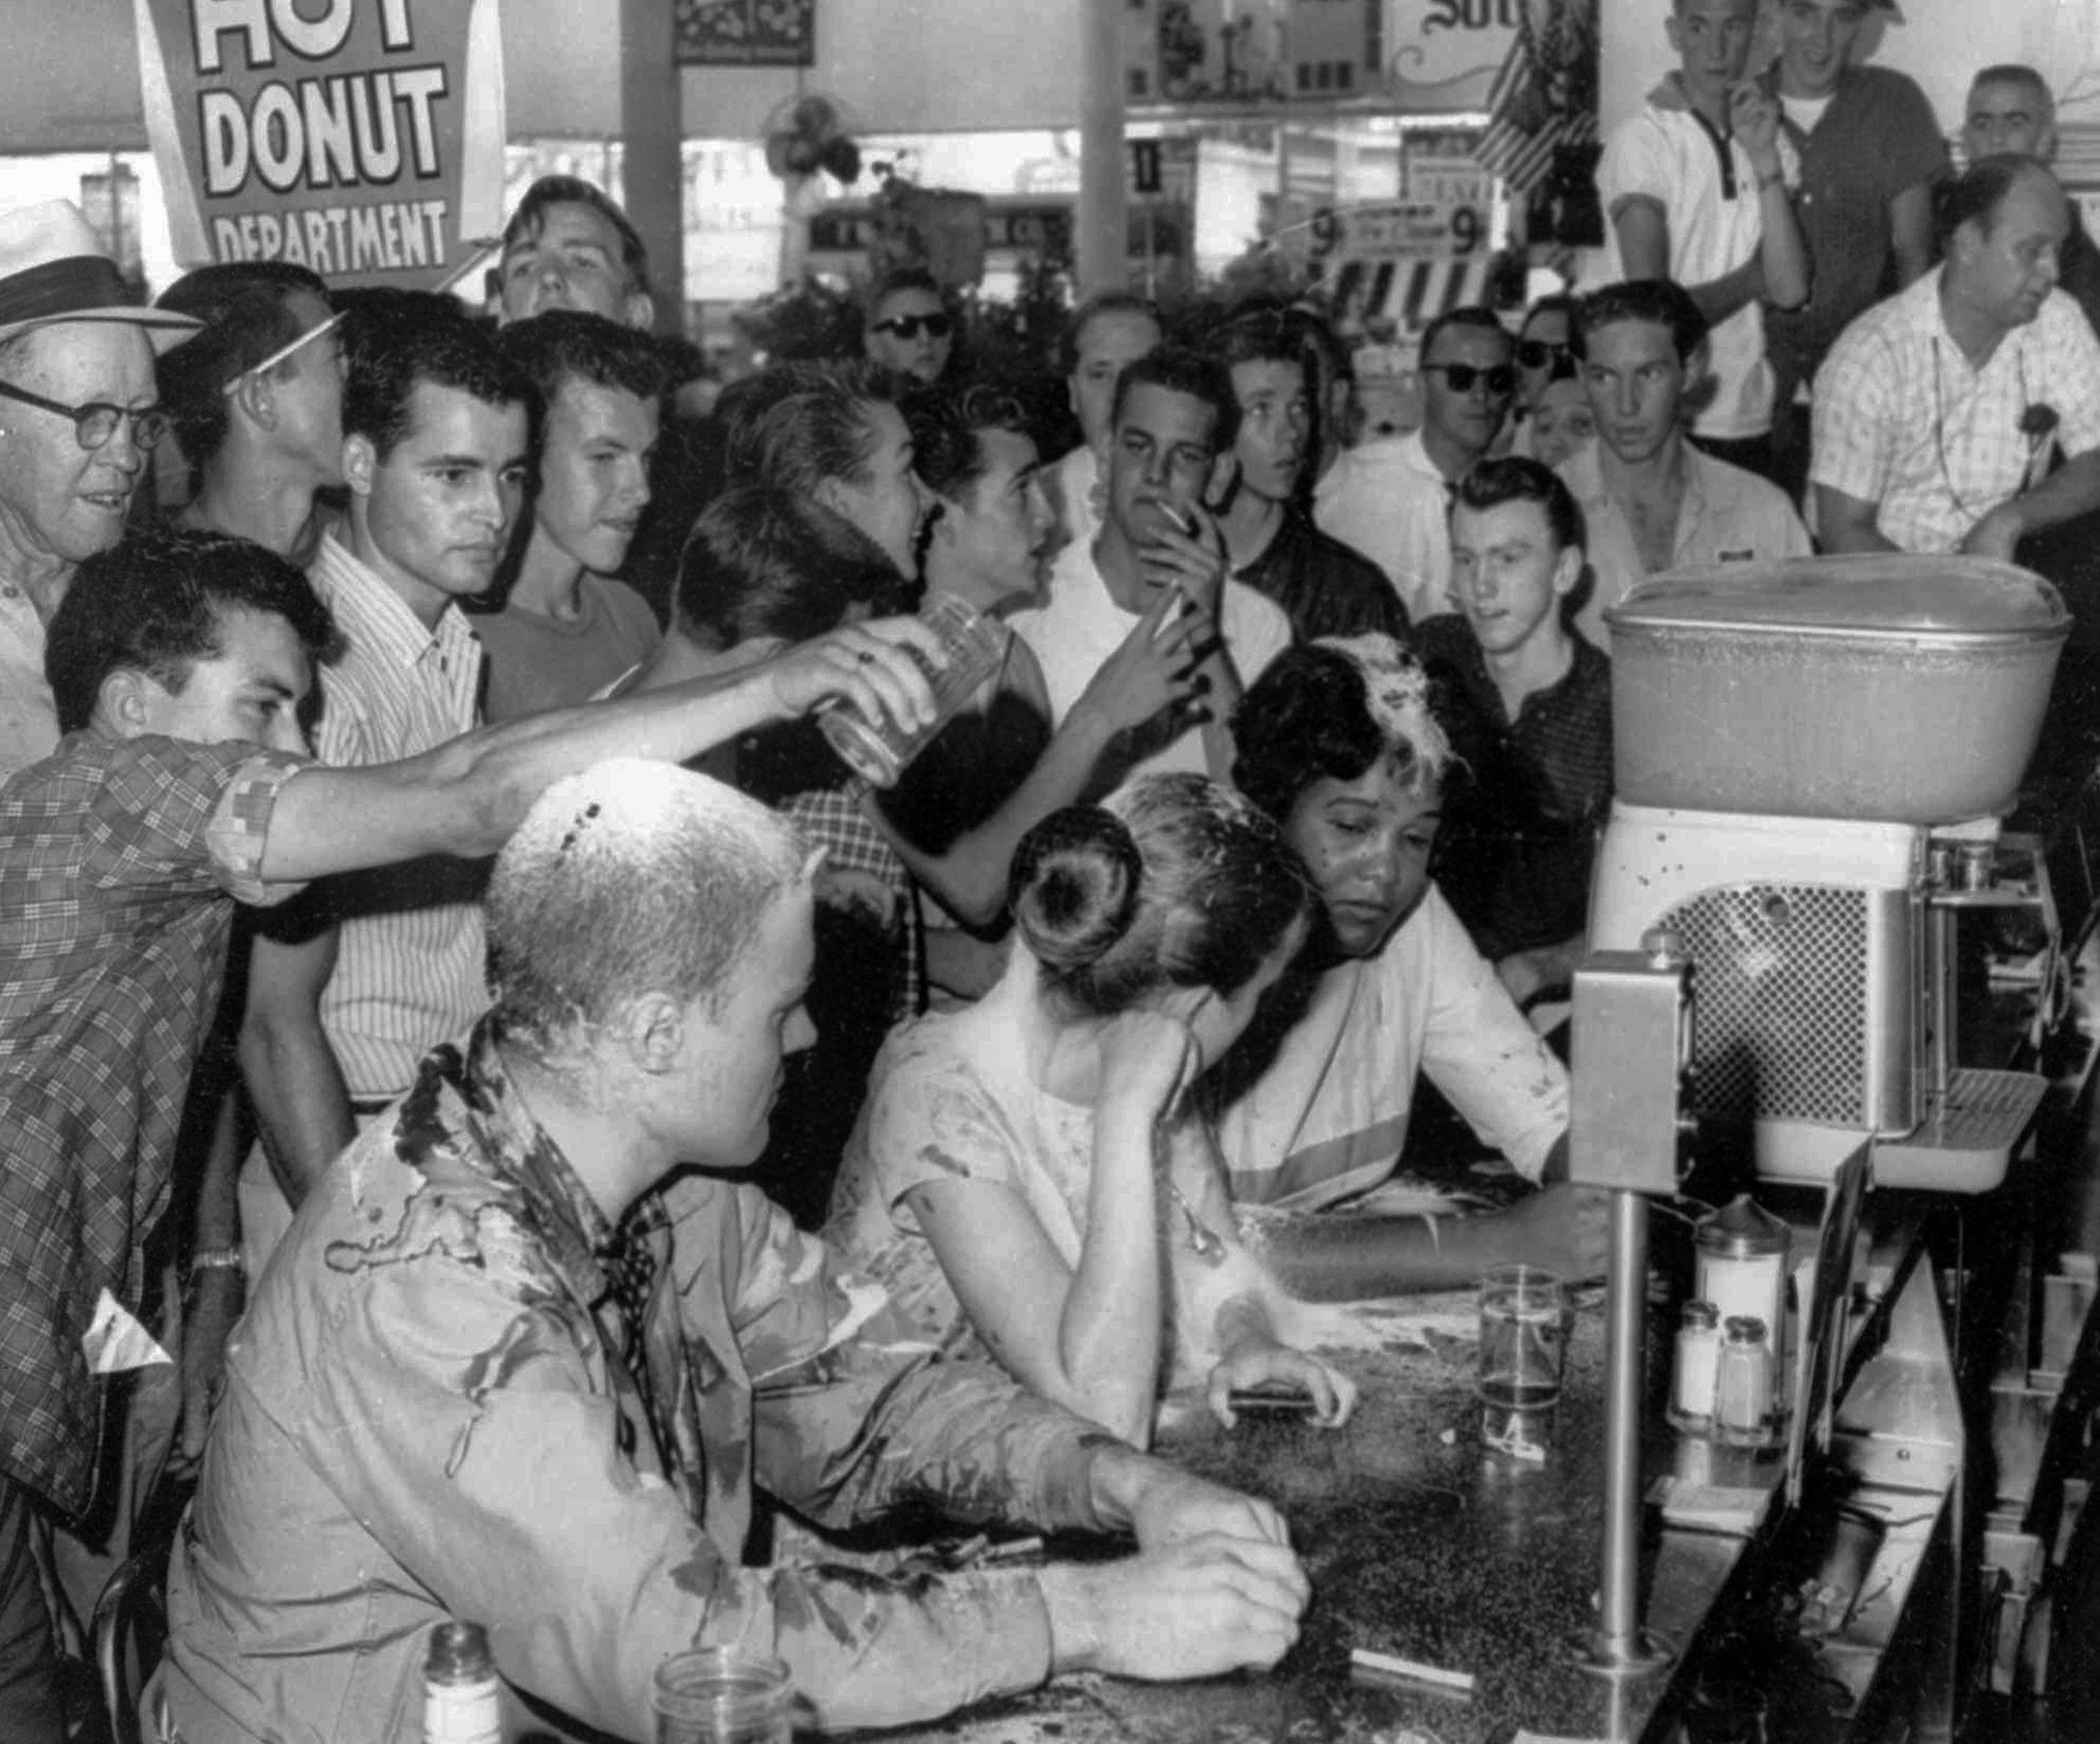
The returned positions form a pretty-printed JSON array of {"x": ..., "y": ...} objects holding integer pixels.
[
  {"x": 1337, "y": 742},
  {"x": 1025, "y": 1179}
]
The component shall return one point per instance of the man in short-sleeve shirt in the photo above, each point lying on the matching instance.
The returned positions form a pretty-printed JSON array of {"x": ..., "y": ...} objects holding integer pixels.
[
  {"x": 1870, "y": 150},
  {"x": 1937, "y": 411}
]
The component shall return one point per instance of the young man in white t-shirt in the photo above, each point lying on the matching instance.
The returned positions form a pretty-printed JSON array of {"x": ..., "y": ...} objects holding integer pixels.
[
  {"x": 1695, "y": 186},
  {"x": 1173, "y": 423}
]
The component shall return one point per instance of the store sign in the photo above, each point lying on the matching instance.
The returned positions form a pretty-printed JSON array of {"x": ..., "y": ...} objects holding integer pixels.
[
  {"x": 744, "y": 32},
  {"x": 1425, "y": 57},
  {"x": 361, "y": 138},
  {"x": 1396, "y": 230}
]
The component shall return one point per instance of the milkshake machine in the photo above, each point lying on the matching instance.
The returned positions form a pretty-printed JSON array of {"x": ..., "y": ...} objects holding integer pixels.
[{"x": 1812, "y": 761}]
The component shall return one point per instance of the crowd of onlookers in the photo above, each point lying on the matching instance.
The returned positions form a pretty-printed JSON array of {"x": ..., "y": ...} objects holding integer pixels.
[{"x": 1049, "y": 1058}]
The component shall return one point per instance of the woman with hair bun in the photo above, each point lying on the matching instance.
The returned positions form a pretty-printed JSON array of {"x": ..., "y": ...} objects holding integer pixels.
[
  {"x": 1025, "y": 1179},
  {"x": 1337, "y": 743}
]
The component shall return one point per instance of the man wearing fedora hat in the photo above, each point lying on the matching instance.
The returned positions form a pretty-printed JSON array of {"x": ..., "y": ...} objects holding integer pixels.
[{"x": 77, "y": 419}]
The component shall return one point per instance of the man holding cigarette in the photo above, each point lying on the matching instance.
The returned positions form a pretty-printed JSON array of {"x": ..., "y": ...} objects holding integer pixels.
[
  {"x": 1171, "y": 430},
  {"x": 1697, "y": 188}
]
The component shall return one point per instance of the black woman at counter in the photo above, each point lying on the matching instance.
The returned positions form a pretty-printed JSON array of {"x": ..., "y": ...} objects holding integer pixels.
[{"x": 1338, "y": 743}]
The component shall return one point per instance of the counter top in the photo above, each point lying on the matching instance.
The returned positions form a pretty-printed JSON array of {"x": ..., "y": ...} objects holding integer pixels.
[{"x": 1419, "y": 1543}]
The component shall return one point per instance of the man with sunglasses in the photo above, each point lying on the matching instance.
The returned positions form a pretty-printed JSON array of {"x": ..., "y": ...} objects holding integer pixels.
[
  {"x": 256, "y": 400},
  {"x": 1397, "y": 513},
  {"x": 79, "y": 419},
  {"x": 910, "y": 332}
]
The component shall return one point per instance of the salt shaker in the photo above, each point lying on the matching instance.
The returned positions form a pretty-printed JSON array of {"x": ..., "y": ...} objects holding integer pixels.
[
  {"x": 1743, "y": 1383},
  {"x": 1697, "y": 1370}
]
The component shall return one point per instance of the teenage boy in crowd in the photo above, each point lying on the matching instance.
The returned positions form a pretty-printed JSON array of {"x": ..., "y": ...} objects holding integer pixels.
[
  {"x": 1651, "y": 498},
  {"x": 1171, "y": 428},
  {"x": 1695, "y": 186},
  {"x": 1111, "y": 329},
  {"x": 179, "y": 663},
  {"x": 1529, "y": 717},
  {"x": 568, "y": 628}
]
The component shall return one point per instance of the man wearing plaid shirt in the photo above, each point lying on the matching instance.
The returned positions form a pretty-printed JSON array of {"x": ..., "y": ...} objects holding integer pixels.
[
  {"x": 1937, "y": 412},
  {"x": 178, "y": 662}
]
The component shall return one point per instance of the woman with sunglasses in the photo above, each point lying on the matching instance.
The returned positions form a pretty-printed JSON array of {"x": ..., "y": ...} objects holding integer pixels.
[{"x": 910, "y": 331}]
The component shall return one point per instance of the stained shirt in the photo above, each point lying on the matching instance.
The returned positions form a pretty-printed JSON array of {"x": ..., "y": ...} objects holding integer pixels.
[
  {"x": 408, "y": 972},
  {"x": 1728, "y": 515},
  {"x": 1327, "y": 1118},
  {"x": 1902, "y": 422},
  {"x": 1520, "y": 830},
  {"x": 121, "y": 860},
  {"x": 427, "y": 1414}
]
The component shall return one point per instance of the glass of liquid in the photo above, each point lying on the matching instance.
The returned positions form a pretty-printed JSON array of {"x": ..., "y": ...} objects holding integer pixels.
[
  {"x": 878, "y": 750},
  {"x": 722, "y": 1695},
  {"x": 1523, "y": 1345}
]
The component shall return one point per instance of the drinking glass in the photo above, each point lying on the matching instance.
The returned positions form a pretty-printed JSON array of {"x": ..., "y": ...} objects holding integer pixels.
[
  {"x": 877, "y": 751},
  {"x": 1523, "y": 1345}
]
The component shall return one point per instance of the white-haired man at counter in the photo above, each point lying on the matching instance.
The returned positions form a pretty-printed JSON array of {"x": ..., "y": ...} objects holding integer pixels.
[{"x": 514, "y": 1362}]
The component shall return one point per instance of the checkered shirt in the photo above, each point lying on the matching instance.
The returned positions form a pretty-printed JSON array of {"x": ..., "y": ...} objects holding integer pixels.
[
  {"x": 119, "y": 863},
  {"x": 833, "y": 819},
  {"x": 1902, "y": 422}
]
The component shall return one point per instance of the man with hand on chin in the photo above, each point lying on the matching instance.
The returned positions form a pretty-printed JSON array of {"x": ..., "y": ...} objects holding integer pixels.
[{"x": 1172, "y": 426}]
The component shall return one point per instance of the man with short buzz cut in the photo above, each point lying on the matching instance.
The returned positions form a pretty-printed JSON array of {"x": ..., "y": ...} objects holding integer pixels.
[
  {"x": 568, "y": 628},
  {"x": 179, "y": 662},
  {"x": 78, "y": 420},
  {"x": 1653, "y": 500},
  {"x": 2011, "y": 108},
  {"x": 569, "y": 246},
  {"x": 1397, "y": 514},
  {"x": 1529, "y": 716},
  {"x": 1695, "y": 186},
  {"x": 1870, "y": 150},
  {"x": 1939, "y": 411},
  {"x": 256, "y": 400},
  {"x": 1171, "y": 428},
  {"x": 1325, "y": 588},
  {"x": 437, "y": 435},
  {"x": 643, "y": 1346}
]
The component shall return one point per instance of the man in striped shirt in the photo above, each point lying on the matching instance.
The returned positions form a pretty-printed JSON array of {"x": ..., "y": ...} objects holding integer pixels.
[{"x": 346, "y": 995}]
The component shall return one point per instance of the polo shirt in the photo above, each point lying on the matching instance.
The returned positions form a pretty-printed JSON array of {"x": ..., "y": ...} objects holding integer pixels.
[
  {"x": 1708, "y": 191},
  {"x": 1902, "y": 422},
  {"x": 537, "y": 661},
  {"x": 1728, "y": 515},
  {"x": 1388, "y": 499},
  {"x": 28, "y": 719},
  {"x": 1079, "y": 625},
  {"x": 1877, "y": 137}
]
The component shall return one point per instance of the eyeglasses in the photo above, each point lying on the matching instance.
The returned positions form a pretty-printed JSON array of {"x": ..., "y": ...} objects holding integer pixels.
[
  {"x": 94, "y": 423},
  {"x": 1500, "y": 378},
  {"x": 909, "y": 326},
  {"x": 283, "y": 352},
  {"x": 1536, "y": 353}
]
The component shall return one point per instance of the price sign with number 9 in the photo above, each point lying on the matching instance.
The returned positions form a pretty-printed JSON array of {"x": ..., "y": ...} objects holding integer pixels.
[{"x": 1465, "y": 230}]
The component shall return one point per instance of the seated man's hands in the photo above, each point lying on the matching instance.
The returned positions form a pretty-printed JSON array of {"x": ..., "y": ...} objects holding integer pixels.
[
  {"x": 1163, "y": 1505},
  {"x": 1565, "y": 1229},
  {"x": 1196, "y": 1607},
  {"x": 1269, "y": 1364}
]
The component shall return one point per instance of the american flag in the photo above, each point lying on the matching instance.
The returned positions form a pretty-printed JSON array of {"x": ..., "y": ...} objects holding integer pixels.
[{"x": 1522, "y": 134}]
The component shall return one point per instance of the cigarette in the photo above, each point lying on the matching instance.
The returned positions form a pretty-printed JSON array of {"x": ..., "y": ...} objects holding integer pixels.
[
  {"x": 1187, "y": 523},
  {"x": 1391, "y": 1665}
]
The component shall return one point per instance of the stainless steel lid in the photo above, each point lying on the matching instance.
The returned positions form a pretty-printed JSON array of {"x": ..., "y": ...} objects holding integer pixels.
[{"x": 1884, "y": 595}]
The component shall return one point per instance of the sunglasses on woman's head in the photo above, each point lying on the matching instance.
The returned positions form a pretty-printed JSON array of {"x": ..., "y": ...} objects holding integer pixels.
[
  {"x": 1536, "y": 353},
  {"x": 1460, "y": 377},
  {"x": 909, "y": 326}
]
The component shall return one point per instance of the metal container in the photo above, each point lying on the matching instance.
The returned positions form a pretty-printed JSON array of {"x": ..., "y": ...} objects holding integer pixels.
[{"x": 1907, "y": 689}]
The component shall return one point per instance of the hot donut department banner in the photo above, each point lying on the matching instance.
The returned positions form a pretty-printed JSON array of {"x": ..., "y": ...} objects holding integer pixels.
[{"x": 362, "y": 139}]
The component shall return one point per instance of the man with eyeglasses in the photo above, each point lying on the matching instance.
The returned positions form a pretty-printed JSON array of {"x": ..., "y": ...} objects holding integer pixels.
[
  {"x": 1939, "y": 411},
  {"x": 1397, "y": 513},
  {"x": 909, "y": 331},
  {"x": 79, "y": 419},
  {"x": 1651, "y": 499},
  {"x": 256, "y": 399}
]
